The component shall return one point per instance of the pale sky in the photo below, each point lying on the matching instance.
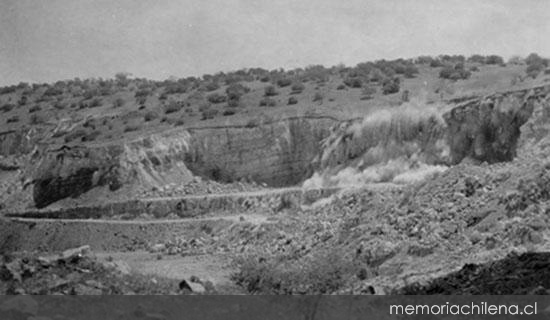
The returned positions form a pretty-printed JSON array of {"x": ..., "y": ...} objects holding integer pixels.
[{"x": 49, "y": 40}]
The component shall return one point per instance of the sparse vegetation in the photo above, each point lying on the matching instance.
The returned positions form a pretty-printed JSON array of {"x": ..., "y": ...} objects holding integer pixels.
[
  {"x": 216, "y": 98},
  {"x": 268, "y": 102},
  {"x": 292, "y": 101},
  {"x": 270, "y": 91},
  {"x": 150, "y": 116},
  {"x": 173, "y": 106},
  {"x": 12, "y": 119},
  {"x": 208, "y": 114},
  {"x": 391, "y": 86}
]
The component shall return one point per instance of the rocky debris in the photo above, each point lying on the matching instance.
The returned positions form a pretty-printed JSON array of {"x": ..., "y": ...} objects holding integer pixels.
[
  {"x": 527, "y": 273},
  {"x": 75, "y": 271},
  {"x": 199, "y": 186},
  {"x": 192, "y": 286}
]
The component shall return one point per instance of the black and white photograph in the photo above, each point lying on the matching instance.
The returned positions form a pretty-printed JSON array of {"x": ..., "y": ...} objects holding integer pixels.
[{"x": 284, "y": 147}]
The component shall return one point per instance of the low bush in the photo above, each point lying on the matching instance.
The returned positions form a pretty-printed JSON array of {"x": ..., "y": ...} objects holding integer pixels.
[
  {"x": 77, "y": 134},
  {"x": 96, "y": 102},
  {"x": 119, "y": 102},
  {"x": 325, "y": 272},
  {"x": 173, "y": 106},
  {"x": 284, "y": 82},
  {"x": 297, "y": 88},
  {"x": 268, "y": 102},
  {"x": 390, "y": 86},
  {"x": 270, "y": 91},
  {"x": 142, "y": 93},
  {"x": 353, "y": 82},
  {"x": 317, "y": 97},
  {"x": 132, "y": 127},
  {"x": 228, "y": 112},
  {"x": 216, "y": 98},
  {"x": 36, "y": 119},
  {"x": 209, "y": 114},
  {"x": 7, "y": 107},
  {"x": 292, "y": 101},
  {"x": 12, "y": 119},
  {"x": 150, "y": 116},
  {"x": 91, "y": 136},
  {"x": 211, "y": 86},
  {"x": 34, "y": 109}
]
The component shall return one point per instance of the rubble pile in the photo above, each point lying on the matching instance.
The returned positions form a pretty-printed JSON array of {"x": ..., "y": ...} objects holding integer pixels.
[
  {"x": 199, "y": 186},
  {"x": 77, "y": 271},
  {"x": 468, "y": 214}
]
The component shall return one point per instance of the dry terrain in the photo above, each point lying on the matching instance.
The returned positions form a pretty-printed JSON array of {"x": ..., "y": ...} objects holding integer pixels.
[{"x": 418, "y": 176}]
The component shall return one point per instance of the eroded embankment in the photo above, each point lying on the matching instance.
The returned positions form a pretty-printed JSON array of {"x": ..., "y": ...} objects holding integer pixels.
[
  {"x": 278, "y": 153},
  {"x": 407, "y": 143},
  {"x": 267, "y": 201},
  {"x": 399, "y": 145}
]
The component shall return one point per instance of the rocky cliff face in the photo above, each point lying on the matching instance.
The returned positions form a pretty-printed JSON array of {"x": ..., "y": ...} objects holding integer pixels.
[
  {"x": 489, "y": 129},
  {"x": 402, "y": 143},
  {"x": 279, "y": 153},
  {"x": 410, "y": 141},
  {"x": 17, "y": 142}
]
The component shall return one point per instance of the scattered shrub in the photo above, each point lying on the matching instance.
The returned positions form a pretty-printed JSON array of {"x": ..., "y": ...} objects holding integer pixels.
[
  {"x": 494, "y": 59},
  {"x": 150, "y": 116},
  {"x": 216, "y": 98},
  {"x": 405, "y": 96},
  {"x": 36, "y": 119},
  {"x": 284, "y": 82},
  {"x": 252, "y": 123},
  {"x": 34, "y": 109},
  {"x": 390, "y": 86},
  {"x": 12, "y": 119},
  {"x": 119, "y": 102},
  {"x": 341, "y": 87},
  {"x": 410, "y": 71},
  {"x": 77, "y": 134},
  {"x": 173, "y": 106},
  {"x": 454, "y": 73},
  {"x": 353, "y": 82},
  {"x": 270, "y": 91},
  {"x": 317, "y": 97},
  {"x": 59, "y": 105},
  {"x": 228, "y": 112},
  {"x": 268, "y": 102},
  {"x": 292, "y": 101},
  {"x": 142, "y": 93},
  {"x": 322, "y": 273},
  {"x": 90, "y": 136},
  {"x": 7, "y": 107},
  {"x": 209, "y": 114},
  {"x": 53, "y": 91},
  {"x": 23, "y": 101},
  {"x": 96, "y": 102},
  {"x": 211, "y": 86},
  {"x": 132, "y": 127},
  {"x": 436, "y": 63},
  {"x": 297, "y": 88},
  {"x": 234, "y": 93}
]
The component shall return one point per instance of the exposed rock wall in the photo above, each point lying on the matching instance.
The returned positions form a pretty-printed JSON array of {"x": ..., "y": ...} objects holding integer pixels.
[
  {"x": 489, "y": 129},
  {"x": 17, "y": 142},
  {"x": 408, "y": 142},
  {"x": 279, "y": 153}
]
